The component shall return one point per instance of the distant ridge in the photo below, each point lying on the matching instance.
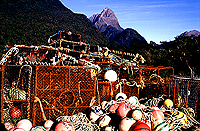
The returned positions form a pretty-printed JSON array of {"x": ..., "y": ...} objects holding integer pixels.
[{"x": 190, "y": 33}]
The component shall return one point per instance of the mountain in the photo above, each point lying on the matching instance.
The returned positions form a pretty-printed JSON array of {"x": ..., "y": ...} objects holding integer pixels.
[
  {"x": 31, "y": 22},
  {"x": 128, "y": 36},
  {"x": 190, "y": 33},
  {"x": 107, "y": 23},
  {"x": 104, "y": 19},
  {"x": 111, "y": 32}
]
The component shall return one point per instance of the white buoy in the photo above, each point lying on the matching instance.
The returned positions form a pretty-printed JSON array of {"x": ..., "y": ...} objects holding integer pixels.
[{"x": 110, "y": 75}]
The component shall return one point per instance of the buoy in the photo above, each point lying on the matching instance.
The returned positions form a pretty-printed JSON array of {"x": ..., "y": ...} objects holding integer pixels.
[
  {"x": 158, "y": 115},
  {"x": 120, "y": 96},
  {"x": 93, "y": 117},
  {"x": 155, "y": 108},
  {"x": 126, "y": 123},
  {"x": 8, "y": 125},
  {"x": 133, "y": 100},
  {"x": 108, "y": 128},
  {"x": 38, "y": 128},
  {"x": 123, "y": 110},
  {"x": 95, "y": 113},
  {"x": 141, "y": 106},
  {"x": 140, "y": 126},
  {"x": 110, "y": 75},
  {"x": 104, "y": 121},
  {"x": 48, "y": 124},
  {"x": 25, "y": 124},
  {"x": 168, "y": 103},
  {"x": 163, "y": 126},
  {"x": 15, "y": 112},
  {"x": 64, "y": 126},
  {"x": 180, "y": 115},
  {"x": 104, "y": 105},
  {"x": 154, "y": 124},
  {"x": 137, "y": 114},
  {"x": 163, "y": 109},
  {"x": 113, "y": 108}
]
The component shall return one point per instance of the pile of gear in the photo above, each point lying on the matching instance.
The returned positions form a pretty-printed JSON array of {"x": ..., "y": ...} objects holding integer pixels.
[
  {"x": 132, "y": 114},
  {"x": 123, "y": 114}
]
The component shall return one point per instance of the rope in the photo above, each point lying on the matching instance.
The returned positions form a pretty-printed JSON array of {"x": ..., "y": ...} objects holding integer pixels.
[
  {"x": 80, "y": 122},
  {"x": 5, "y": 57}
]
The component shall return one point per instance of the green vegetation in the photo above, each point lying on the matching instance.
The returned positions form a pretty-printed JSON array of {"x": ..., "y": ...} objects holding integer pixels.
[
  {"x": 31, "y": 22},
  {"x": 182, "y": 54}
]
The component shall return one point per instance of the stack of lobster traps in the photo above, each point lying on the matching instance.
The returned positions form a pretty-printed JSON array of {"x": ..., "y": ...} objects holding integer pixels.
[
  {"x": 185, "y": 91},
  {"x": 63, "y": 77}
]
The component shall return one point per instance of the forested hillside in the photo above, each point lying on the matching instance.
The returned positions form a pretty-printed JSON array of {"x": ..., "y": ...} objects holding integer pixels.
[{"x": 31, "y": 22}]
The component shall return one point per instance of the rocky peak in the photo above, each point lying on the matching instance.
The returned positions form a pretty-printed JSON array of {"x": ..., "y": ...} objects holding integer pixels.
[
  {"x": 108, "y": 13},
  {"x": 106, "y": 18}
]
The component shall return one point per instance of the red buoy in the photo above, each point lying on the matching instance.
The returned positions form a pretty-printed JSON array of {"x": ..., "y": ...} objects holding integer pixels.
[
  {"x": 15, "y": 112},
  {"x": 140, "y": 126}
]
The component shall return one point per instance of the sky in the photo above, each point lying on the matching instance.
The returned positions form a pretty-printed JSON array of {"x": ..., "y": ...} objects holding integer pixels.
[{"x": 155, "y": 20}]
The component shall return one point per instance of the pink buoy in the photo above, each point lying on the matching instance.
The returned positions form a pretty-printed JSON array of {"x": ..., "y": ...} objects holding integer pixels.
[
  {"x": 64, "y": 126},
  {"x": 123, "y": 110},
  {"x": 158, "y": 115},
  {"x": 25, "y": 124},
  {"x": 113, "y": 108}
]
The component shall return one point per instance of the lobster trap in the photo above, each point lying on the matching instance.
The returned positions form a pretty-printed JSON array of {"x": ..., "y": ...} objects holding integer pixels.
[
  {"x": 154, "y": 81},
  {"x": 15, "y": 93},
  {"x": 45, "y": 92},
  {"x": 185, "y": 92},
  {"x": 50, "y": 91}
]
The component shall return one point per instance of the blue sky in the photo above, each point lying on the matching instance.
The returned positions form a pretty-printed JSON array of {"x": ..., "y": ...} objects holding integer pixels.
[{"x": 156, "y": 20}]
